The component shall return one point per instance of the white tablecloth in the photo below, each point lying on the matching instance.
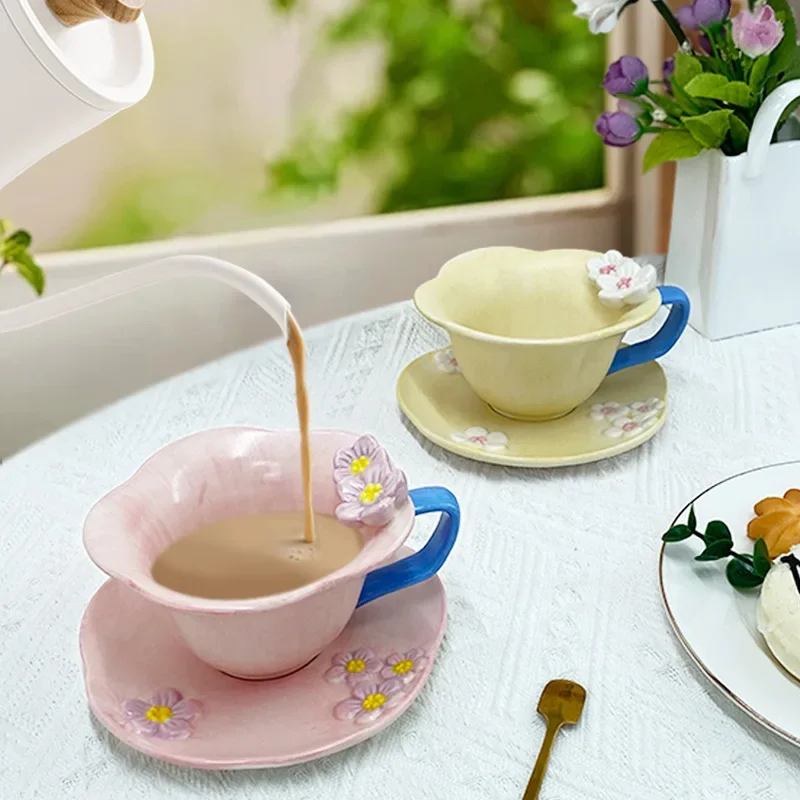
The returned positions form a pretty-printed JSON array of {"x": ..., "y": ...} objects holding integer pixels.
[{"x": 554, "y": 575}]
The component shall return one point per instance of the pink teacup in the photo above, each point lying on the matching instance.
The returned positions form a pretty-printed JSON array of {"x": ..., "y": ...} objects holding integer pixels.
[{"x": 238, "y": 471}]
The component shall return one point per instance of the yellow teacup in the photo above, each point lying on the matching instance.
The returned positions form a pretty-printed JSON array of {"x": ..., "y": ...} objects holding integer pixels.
[{"x": 529, "y": 332}]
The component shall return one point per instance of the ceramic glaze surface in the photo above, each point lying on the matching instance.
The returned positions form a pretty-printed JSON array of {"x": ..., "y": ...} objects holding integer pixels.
[
  {"x": 132, "y": 650},
  {"x": 216, "y": 475},
  {"x": 527, "y": 328}
]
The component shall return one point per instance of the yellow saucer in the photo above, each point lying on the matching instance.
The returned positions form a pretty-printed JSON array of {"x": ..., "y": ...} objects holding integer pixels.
[{"x": 628, "y": 409}]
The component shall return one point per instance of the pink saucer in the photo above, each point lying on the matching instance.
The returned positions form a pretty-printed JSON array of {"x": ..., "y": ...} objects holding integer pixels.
[{"x": 132, "y": 651}]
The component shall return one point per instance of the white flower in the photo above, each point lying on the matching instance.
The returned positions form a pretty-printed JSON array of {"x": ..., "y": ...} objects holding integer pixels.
[
  {"x": 481, "y": 439},
  {"x": 646, "y": 410},
  {"x": 621, "y": 280},
  {"x": 603, "y": 412},
  {"x": 602, "y": 14},
  {"x": 687, "y": 48},
  {"x": 659, "y": 115},
  {"x": 628, "y": 424},
  {"x": 446, "y": 361}
]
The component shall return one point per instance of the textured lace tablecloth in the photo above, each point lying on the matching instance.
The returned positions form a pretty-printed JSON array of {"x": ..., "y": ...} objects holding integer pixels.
[{"x": 554, "y": 575}]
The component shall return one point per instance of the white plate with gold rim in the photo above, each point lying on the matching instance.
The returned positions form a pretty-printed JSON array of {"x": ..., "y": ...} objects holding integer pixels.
[
  {"x": 628, "y": 409},
  {"x": 715, "y": 622}
]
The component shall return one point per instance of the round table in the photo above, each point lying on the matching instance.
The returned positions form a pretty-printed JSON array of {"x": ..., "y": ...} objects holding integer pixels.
[{"x": 554, "y": 575}]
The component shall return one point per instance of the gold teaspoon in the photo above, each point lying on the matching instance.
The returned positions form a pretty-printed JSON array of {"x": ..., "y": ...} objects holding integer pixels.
[{"x": 561, "y": 704}]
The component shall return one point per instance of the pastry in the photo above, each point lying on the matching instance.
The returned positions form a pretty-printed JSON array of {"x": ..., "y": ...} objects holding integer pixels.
[
  {"x": 777, "y": 522},
  {"x": 778, "y": 615}
]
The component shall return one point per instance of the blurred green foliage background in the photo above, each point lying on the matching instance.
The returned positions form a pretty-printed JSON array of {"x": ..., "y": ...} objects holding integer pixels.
[{"x": 480, "y": 100}]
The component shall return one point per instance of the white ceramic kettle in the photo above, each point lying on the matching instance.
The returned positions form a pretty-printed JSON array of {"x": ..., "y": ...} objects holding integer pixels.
[{"x": 67, "y": 66}]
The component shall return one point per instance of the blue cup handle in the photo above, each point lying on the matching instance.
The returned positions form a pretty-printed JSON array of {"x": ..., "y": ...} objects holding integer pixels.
[
  {"x": 427, "y": 562},
  {"x": 664, "y": 340}
]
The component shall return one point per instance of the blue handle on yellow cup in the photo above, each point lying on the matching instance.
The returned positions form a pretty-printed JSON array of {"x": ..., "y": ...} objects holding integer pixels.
[
  {"x": 663, "y": 341},
  {"x": 427, "y": 562}
]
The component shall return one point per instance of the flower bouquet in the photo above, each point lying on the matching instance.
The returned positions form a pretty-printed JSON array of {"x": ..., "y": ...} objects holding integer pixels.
[
  {"x": 710, "y": 91},
  {"x": 720, "y": 109}
]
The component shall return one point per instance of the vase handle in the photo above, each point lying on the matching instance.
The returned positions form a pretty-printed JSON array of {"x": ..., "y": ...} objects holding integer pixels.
[{"x": 764, "y": 125}]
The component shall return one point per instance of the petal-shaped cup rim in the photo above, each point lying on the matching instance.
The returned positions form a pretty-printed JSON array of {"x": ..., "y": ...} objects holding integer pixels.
[{"x": 105, "y": 528}]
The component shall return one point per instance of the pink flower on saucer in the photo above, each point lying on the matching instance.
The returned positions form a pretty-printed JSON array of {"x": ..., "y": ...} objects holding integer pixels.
[
  {"x": 650, "y": 408},
  {"x": 166, "y": 715},
  {"x": 446, "y": 361},
  {"x": 353, "y": 667},
  {"x": 406, "y": 667},
  {"x": 352, "y": 461},
  {"x": 373, "y": 496},
  {"x": 481, "y": 439},
  {"x": 628, "y": 425},
  {"x": 606, "y": 411},
  {"x": 370, "y": 700}
]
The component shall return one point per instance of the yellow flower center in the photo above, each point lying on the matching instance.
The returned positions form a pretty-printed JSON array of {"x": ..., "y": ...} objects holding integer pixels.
[
  {"x": 373, "y": 701},
  {"x": 402, "y": 667},
  {"x": 370, "y": 493},
  {"x": 355, "y": 665},
  {"x": 359, "y": 465},
  {"x": 159, "y": 714}
]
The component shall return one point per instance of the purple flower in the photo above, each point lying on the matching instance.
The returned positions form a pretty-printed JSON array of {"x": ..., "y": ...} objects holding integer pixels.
[
  {"x": 758, "y": 33},
  {"x": 617, "y": 128},
  {"x": 166, "y": 715},
  {"x": 372, "y": 497},
  {"x": 370, "y": 700},
  {"x": 406, "y": 667},
  {"x": 668, "y": 67},
  {"x": 703, "y": 13},
  {"x": 354, "y": 460},
  {"x": 353, "y": 667},
  {"x": 628, "y": 75}
]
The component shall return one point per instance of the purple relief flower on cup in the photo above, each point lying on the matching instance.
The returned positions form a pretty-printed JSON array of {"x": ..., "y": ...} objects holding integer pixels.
[
  {"x": 370, "y": 700},
  {"x": 757, "y": 33},
  {"x": 617, "y": 128},
  {"x": 406, "y": 666},
  {"x": 166, "y": 715},
  {"x": 354, "y": 460},
  {"x": 372, "y": 497},
  {"x": 353, "y": 667},
  {"x": 703, "y": 13},
  {"x": 627, "y": 75}
]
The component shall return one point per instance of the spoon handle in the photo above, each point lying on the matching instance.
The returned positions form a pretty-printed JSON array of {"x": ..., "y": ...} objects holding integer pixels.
[{"x": 539, "y": 769}]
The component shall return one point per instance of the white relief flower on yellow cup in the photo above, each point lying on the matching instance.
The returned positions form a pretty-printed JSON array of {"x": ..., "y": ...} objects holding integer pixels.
[
  {"x": 481, "y": 439},
  {"x": 621, "y": 280},
  {"x": 446, "y": 361}
]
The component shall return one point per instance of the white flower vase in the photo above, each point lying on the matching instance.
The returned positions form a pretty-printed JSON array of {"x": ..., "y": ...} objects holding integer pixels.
[{"x": 735, "y": 240}]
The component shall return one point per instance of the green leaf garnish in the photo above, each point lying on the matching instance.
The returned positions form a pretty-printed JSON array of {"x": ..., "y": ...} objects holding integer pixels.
[
  {"x": 761, "y": 560},
  {"x": 715, "y": 550},
  {"x": 740, "y": 576},
  {"x": 14, "y": 252},
  {"x": 677, "y": 533},
  {"x": 744, "y": 571}
]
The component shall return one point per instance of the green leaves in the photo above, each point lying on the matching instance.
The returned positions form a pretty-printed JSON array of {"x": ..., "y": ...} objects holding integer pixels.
[
  {"x": 761, "y": 559},
  {"x": 670, "y": 145},
  {"x": 686, "y": 68},
  {"x": 740, "y": 576},
  {"x": 14, "y": 251},
  {"x": 709, "y": 129},
  {"x": 740, "y": 134},
  {"x": 744, "y": 571},
  {"x": 717, "y": 87},
  {"x": 719, "y": 542},
  {"x": 677, "y": 533},
  {"x": 758, "y": 73},
  {"x": 781, "y": 58}
]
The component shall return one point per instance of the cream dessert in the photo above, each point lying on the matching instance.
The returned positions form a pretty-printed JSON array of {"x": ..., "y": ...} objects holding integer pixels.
[{"x": 778, "y": 615}]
